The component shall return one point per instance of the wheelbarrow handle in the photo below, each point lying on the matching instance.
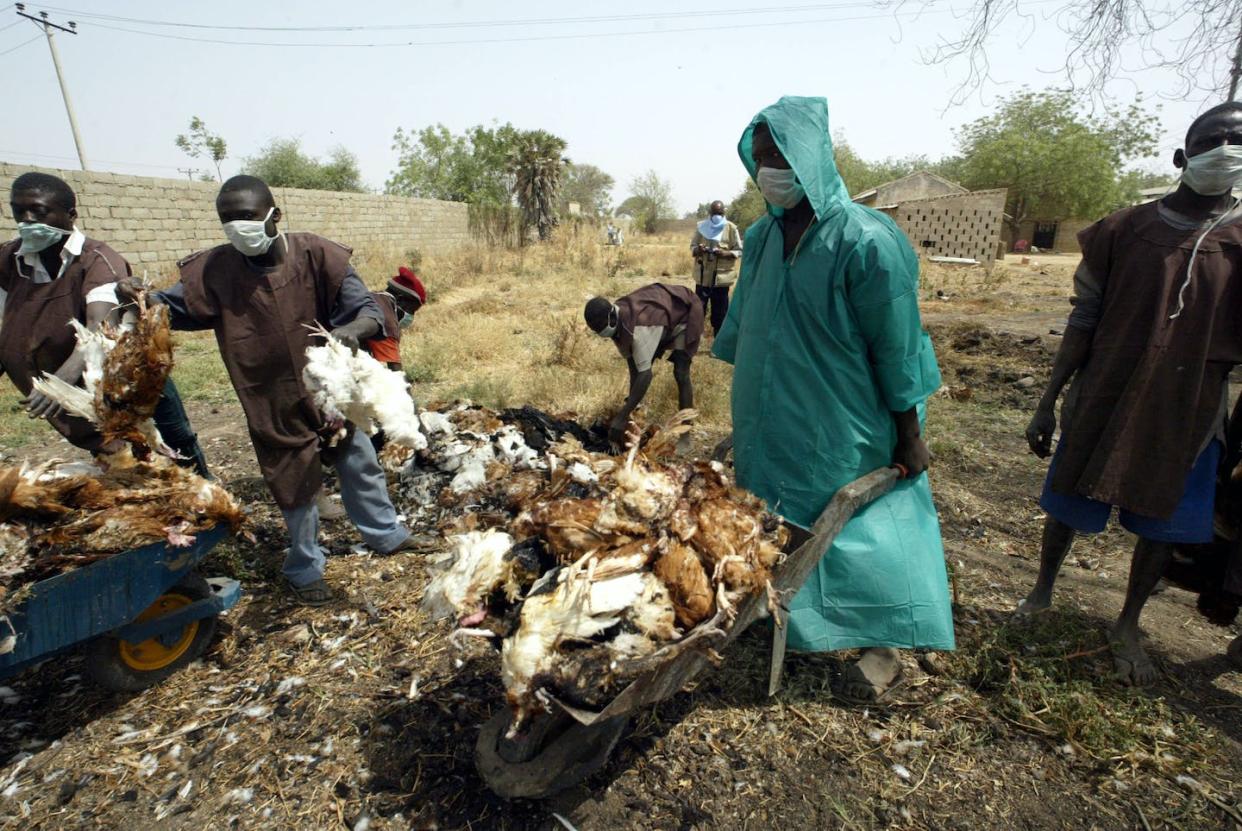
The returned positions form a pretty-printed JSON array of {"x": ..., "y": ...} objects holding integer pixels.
[{"x": 844, "y": 504}]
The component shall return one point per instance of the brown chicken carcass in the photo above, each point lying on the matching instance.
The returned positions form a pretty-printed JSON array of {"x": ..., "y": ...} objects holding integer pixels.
[
  {"x": 135, "y": 371},
  {"x": 689, "y": 585}
]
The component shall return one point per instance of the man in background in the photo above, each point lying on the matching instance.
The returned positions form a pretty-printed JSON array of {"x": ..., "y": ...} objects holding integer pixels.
[{"x": 716, "y": 247}]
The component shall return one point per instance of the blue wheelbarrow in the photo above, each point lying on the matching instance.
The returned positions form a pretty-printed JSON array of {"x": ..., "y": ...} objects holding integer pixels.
[{"x": 139, "y": 615}]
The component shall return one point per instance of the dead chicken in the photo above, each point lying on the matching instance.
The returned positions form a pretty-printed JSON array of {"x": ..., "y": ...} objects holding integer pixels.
[{"x": 123, "y": 379}]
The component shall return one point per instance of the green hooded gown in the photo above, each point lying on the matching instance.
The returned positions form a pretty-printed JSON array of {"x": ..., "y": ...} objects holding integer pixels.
[{"x": 825, "y": 347}]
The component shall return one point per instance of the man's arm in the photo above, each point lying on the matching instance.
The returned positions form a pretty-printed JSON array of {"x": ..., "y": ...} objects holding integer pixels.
[
  {"x": 1071, "y": 356},
  {"x": 40, "y": 406},
  {"x": 356, "y": 316},
  {"x": 179, "y": 317},
  {"x": 646, "y": 343}
]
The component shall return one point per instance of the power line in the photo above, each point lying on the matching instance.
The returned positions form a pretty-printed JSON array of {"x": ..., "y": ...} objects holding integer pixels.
[
  {"x": 20, "y": 45},
  {"x": 10, "y": 154},
  {"x": 470, "y": 24},
  {"x": 535, "y": 38}
]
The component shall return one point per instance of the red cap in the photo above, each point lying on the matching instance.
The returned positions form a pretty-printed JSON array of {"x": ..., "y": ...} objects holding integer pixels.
[{"x": 407, "y": 282}]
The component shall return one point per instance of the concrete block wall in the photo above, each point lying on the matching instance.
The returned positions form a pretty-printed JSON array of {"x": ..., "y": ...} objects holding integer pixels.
[
  {"x": 961, "y": 225},
  {"x": 155, "y": 222}
]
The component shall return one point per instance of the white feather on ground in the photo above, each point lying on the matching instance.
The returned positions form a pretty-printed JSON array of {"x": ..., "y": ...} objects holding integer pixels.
[{"x": 356, "y": 387}]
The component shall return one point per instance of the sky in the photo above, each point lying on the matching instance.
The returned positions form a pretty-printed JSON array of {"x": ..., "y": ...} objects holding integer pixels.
[{"x": 667, "y": 86}]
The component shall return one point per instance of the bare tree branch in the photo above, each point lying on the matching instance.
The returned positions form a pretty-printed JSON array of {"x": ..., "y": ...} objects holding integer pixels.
[{"x": 1196, "y": 39}]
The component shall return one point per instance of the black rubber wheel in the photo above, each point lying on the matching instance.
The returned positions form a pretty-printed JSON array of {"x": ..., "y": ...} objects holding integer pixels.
[
  {"x": 565, "y": 757},
  {"x": 124, "y": 667}
]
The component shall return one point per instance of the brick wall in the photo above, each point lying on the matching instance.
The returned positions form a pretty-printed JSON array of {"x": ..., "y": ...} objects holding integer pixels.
[
  {"x": 155, "y": 222},
  {"x": 962, "y": 225}
]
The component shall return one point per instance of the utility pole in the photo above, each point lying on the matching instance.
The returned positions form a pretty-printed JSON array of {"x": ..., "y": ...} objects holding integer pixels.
[
  {"x": 72, "y": 29},
  {"x": 189, "y": 172},
  {"x": 1235, "y": 72}
]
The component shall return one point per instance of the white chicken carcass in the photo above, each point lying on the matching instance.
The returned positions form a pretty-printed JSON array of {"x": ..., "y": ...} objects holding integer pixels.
[
  {"x": 355, "y": 387},
  {"x": 479, "y": 566},
  {"x": 575, "y": 611}
]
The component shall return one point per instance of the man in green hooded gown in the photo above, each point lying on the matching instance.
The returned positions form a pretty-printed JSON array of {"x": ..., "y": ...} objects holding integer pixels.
[{"x": 832, "y": 369}]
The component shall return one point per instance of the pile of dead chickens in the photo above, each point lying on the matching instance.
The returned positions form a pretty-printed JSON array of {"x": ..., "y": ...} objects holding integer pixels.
[
  {"x": 57, "y": 517},
  {"x": 584, "y": 567}
]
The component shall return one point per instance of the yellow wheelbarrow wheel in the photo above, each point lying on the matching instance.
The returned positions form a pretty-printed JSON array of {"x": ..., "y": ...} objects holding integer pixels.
[
  {"x": 130, "y": 667},
  {"x": 154, "y": 654}
]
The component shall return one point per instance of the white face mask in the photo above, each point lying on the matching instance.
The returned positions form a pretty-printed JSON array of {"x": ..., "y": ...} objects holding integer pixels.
[
  {"x": 249, "y": 236},
  {"x": 1214, "y": 172},
  {"x": 780, "y": 186},
  {"x": 611, "y": 329}
]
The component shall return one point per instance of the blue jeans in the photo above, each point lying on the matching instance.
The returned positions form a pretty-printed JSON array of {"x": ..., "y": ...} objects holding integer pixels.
[
  {"x": 174, "y": 425},
  {"x": 364, "y": 492}
]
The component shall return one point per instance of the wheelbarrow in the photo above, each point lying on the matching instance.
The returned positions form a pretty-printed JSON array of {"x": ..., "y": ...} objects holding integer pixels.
[
  {"x": 569, "y": 744},
  {"x": 139, "y": 615}
]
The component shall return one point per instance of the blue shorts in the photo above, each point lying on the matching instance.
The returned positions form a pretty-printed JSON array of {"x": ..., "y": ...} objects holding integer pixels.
[{"x": 1190, "y": 523}]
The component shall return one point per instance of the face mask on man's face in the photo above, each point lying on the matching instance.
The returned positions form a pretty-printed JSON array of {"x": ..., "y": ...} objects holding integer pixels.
[
  {"x": 716, "y": 220},
  {"x": 1214, "y": 172},
  {"x": 610, "y": 329},
  {"x": 780, "y": 186},
  {"x": 405, "y": 319},
  {"x": 249, "y": 236},
  {"x": 37, "y": 236}
]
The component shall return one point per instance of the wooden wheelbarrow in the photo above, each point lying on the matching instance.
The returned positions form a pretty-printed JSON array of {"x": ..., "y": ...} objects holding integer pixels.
[{"x": 570, "y": 744}]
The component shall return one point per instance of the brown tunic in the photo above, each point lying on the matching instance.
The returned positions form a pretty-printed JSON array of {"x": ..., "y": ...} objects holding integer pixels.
[
  {"x": 660, "y": 305},
  {"x": 1151, "y": 387},
  {"x": 35, "y": 335},
  {"x": 260, "y": 318}
]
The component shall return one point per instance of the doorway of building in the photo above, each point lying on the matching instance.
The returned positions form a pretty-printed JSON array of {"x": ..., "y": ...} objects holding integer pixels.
[{"x": 1045, "y": 235}]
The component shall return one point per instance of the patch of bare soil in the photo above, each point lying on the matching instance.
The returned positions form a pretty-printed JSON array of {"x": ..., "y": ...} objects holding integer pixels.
[{"x": 361, "y": 715}]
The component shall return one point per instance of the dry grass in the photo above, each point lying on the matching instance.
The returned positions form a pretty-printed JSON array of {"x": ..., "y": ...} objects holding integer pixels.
[{"x": 504, "y": 327}]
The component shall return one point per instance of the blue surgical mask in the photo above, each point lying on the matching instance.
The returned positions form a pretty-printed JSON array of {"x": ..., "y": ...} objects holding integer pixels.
[
  {"x": 780, "y": 186},
  {"x": 36, "y": 236},
  {"x": 1214, "y": 172},
  {"x": 404, "y": 320}
]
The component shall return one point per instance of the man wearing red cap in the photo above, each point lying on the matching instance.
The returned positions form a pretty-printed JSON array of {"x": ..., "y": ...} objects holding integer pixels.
[{"x": 404, "y": 296}]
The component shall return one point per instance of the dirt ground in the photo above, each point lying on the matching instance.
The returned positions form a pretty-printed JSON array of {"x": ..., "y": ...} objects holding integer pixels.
[{"x": 361, "y": 715}]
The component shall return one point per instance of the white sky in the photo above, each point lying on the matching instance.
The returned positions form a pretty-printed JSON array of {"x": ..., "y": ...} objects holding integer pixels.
[{"x": 674, "y": 101}]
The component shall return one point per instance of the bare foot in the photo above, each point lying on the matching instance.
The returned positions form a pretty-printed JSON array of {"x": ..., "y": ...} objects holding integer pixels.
[
  {"x": 870, "y": 676},
  {"x": 1033, "y": 605},
  {"x": 1130, "y": 661}
]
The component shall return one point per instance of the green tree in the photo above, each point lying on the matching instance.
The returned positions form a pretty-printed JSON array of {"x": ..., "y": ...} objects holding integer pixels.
[
  {"x": 1055, "y": 160},
  {"x": 473, "y": 166},
  {"x": 587, "y": 185},
  {"x": 747, "y": 206},
  {"x": 651, "y": 199},
  {"x": 535, "y": 162},
  {"x": 282, "y": 164},
  {"x": 201, "y": 143}
]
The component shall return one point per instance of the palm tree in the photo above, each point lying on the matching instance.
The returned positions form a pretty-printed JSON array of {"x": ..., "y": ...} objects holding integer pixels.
[{"x": 536, "y": 163}]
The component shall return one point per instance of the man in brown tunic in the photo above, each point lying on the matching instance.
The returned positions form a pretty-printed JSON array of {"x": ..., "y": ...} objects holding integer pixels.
[
  {"x": 1155, "y": 330},
  {"x": 644, "y": 325},
  {"x": 50, "y": 275},
  {"x": 260, "y": 294}
]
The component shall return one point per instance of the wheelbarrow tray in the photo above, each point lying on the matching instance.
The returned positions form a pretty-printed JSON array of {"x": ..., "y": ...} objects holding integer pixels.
[
  {"x": 686, "y": 658},
  {"x": 105, "y": 597}
]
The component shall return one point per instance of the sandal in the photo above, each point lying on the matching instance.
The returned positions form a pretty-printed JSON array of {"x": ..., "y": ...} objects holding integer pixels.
[{"x": 315, "y": 593}]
